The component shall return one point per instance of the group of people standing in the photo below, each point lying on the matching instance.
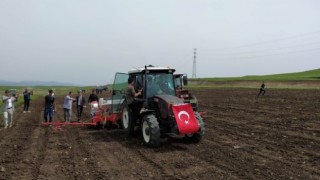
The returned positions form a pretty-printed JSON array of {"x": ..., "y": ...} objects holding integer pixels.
[
  {"x": 67, "y": 106},
  {"x": 68, "y": 101},
  {"x": 8, "y": 100}
]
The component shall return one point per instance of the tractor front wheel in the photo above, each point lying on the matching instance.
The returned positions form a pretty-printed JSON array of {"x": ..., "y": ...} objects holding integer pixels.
[
  {"x": 196, "y": 137},
  {"x": 150, "y": 131}
]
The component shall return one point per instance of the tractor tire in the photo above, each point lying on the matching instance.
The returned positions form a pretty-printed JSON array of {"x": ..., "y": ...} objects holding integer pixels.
[
  {"x": 196, "y": 137},
  {"x": 150, "y": 131},
  {"x": 127, "y": 120}
]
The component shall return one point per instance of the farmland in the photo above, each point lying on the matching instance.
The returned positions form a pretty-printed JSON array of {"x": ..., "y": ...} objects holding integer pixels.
[{"x": 273, "y": 137}]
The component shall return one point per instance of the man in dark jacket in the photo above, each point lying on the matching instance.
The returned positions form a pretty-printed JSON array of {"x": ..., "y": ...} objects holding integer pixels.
[
  {"x": 262, "y": 90},
  {"x": 26, "y": 98},
  {"x": 80, "y": 104},
  {"x": 93, "y": 96},
  {"x": 49, "y": 106}
]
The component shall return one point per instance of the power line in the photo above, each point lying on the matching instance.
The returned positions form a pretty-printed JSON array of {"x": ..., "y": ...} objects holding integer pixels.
[
  {"x": 263, "y": 50},
  {"x": 274, "y": 54},
  {"x": 267, "y": 42}
]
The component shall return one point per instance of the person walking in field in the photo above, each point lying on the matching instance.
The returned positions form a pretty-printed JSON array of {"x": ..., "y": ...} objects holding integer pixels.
[
  {"x": 80, "y": 104},
  {"x": 49, "y": 106},
  {"x": 8, "y": 108},
  {"x": 262, "y": 89},
  {"x": 67, "y": 107},
  {"x": 26, "y": 98}
]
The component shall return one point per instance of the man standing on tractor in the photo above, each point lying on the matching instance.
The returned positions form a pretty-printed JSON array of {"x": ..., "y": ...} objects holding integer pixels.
[{"x": 131, "y": 94}]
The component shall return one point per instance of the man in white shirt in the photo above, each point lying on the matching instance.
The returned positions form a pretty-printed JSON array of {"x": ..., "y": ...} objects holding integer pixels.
[
  {"x": 67, "y": 107},
  {"x": 8, "y": 108}
]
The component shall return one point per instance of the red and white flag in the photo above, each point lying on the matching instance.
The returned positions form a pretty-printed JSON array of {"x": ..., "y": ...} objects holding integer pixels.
[{"x": 185, "y": 118}]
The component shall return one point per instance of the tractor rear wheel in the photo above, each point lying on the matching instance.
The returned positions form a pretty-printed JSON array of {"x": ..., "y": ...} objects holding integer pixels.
[
  {"x": 127, "y": 120},
  {"x": 196, "y": 137},
  {"x": 150, "y": 131}
]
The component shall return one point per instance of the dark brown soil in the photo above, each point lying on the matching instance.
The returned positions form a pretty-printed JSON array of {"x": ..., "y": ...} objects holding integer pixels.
[{"x": 273, "y": 137}]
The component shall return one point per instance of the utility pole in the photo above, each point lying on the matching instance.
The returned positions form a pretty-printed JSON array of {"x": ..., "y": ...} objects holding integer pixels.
[{"x": 194, "y": 73}]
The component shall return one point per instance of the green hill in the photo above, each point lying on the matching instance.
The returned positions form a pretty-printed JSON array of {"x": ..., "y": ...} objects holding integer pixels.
[{"x": 299, "y": 76}]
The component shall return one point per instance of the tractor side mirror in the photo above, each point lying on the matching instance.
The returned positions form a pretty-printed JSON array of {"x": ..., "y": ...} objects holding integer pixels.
[
  {"x": 113, "y": 93},
  {"x": 185, "y": 80}
]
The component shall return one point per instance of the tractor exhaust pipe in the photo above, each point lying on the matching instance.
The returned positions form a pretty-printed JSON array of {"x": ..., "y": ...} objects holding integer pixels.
[{"x": 145, "y": 87}]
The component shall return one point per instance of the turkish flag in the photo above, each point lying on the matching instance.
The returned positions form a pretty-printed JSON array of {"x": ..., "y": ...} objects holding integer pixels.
[{"x": 185, "y": 118}]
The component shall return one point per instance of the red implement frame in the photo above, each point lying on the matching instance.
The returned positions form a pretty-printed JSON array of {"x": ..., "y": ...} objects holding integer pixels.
[
  {"x": 101, "y": 115},
  {"x": 104, "y": 115},
  {"x": 57, "y": 125}
]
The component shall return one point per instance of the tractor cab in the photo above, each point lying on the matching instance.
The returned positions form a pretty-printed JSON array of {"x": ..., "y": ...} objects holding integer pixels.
[
  {"x": 180, "y": 80},
  {"x": 152, "y": 80}
]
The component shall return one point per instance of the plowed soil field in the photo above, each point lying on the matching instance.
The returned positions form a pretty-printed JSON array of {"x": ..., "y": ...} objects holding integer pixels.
[{"x": 273, "y": 137}]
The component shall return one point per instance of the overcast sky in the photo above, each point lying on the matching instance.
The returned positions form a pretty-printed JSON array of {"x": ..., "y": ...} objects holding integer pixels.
[{"x": 86, "y": 42}]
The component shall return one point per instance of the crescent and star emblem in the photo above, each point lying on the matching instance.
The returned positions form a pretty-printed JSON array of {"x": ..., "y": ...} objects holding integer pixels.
[{"x": 186, "y": 114}]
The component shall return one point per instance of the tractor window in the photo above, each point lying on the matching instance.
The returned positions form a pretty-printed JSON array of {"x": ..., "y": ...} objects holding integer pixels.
[
  {"x": 120, "y": 83},
  {"x": 139, "y": 82},
  {"x": 118, "y": 90},
  {"x": 178, "y": 82},
  {"x": 160, "y": 84}
]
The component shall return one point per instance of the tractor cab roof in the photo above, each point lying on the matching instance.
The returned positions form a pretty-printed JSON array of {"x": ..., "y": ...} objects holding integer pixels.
[
  {"x": 178, "y": 75},
  {"x": 151, "y": 68}
]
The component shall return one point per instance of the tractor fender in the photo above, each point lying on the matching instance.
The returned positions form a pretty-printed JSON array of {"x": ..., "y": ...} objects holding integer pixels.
[{"x": 144, "y": 112}]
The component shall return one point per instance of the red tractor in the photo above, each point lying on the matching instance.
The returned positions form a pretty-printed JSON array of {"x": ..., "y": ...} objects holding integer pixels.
[
  {"x": 160, "y": 110},
  {"x": 180, "y": 81}
]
